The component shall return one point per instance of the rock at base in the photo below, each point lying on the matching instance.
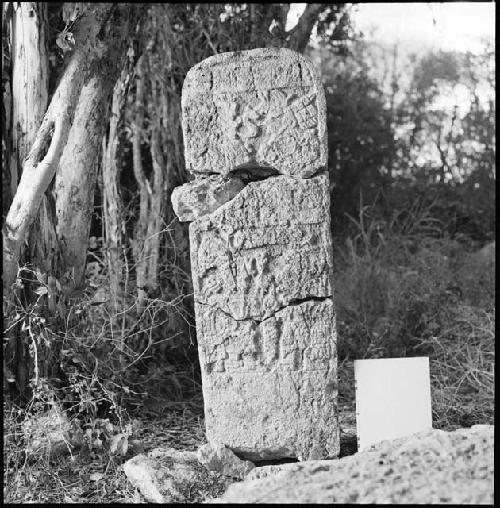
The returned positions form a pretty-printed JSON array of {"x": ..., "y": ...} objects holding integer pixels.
[
  {"x": 221, "y": 459},
  {"x": 431, "y": 467},
  {"x": 166, "y": 475}
]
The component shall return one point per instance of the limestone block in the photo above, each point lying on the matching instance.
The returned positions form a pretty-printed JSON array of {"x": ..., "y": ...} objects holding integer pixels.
[
  {"x": 200, "y": 197},
  {"x": 270, "y": 387},
  {"x": 268, "y": 247},
  {"x": 262, "y": 278},
  {"x": 427, "y": 468},
  {"x": 259, "y": 108},
  {"x": 166, "y": 475},
  {"x": 254, "y": 126},
  {"x": 162, "y": 474}
]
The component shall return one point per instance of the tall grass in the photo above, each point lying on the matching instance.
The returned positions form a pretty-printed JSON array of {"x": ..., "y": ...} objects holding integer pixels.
[{"x": 403, "y": 288}]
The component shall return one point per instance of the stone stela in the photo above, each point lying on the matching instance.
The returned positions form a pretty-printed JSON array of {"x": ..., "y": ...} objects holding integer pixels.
[{"x": 254, "y": 125}]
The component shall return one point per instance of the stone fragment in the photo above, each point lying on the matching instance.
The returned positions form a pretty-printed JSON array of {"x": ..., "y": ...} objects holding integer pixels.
[
  {"x": 273, "y": 469},
  {"x": 165, "y": 475},
  {"x": 222, "y": 460},
  {"x": 259, "y": 108},
  {"x": 267, "y": 248},
  {"x": 203, "y": 196},
  {"x": 431, "y": 467},
  {"x": 270, "y": 387}
]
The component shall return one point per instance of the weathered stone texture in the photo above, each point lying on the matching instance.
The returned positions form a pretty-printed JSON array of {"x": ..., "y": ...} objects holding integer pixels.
[
  {"x": 264, "y": 107},
  {"x": 163, "y": 474},
  {"x": 269, "y": 387},
  {"x": 201, "y": 197},
  {"x": 220, "y": 459},
  {"x": 427, "y": 468},
  {"x": 261, "y": 255},
  {"x": 268, "y": 247},
  {"x": 262, "y": 276},
  {"x": 166, "y": 475}
]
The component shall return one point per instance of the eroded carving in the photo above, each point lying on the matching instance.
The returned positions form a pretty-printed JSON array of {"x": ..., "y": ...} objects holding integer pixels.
[
  {"x": 268, "y": 246},
  {"x": 264, "y": 108},
  {"x": 261, "y": 253}
]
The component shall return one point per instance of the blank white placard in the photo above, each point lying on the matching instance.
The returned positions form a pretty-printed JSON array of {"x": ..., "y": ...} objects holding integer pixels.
[{"x": 393, "y": 398}]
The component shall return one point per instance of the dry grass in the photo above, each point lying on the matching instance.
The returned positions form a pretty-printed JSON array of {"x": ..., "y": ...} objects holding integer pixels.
[
  {"x": 95, "y": 475},
  {"x": 411, "y": 292}
]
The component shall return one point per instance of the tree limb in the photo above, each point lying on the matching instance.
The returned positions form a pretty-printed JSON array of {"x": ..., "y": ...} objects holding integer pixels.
[
  {"x": 298, "y": 37},
  {"x": 41, "y": 163}
]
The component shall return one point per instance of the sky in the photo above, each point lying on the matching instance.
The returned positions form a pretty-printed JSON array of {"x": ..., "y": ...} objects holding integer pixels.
[
  {"x": 449, "y": 25},
  {"x": 416, "y": 27}
]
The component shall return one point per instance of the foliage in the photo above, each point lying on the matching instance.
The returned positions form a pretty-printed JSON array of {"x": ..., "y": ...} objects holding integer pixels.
[
  {"x": 455, "y": 139},
  {"x": 427, "y": 129},
  {"x": 95, "y": 473},
  {"x": 360, "y": 137},
  {"x": 403, "y": 288}
]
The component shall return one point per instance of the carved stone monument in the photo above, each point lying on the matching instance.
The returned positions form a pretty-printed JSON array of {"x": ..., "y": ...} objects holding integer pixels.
[{"x": 261, "y": 253}]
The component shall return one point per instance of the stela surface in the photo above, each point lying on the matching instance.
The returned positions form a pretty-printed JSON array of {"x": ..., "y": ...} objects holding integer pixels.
[
  {"x": 264, "y": 107},
  {"x": 262, "y": 276},
  {"x": 261, "y": 253}
]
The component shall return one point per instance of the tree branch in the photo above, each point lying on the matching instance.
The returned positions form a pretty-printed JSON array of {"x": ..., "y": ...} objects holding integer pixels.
[
  {"x": 42, "y": 161},
  {"x": 298, "y": 37}
]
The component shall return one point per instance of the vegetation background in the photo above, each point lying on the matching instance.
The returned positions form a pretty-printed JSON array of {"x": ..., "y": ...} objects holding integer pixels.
[{"x": 100, "y": 357}]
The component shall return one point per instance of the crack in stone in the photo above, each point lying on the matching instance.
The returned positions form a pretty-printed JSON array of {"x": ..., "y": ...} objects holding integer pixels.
[
  {"x": 254, "y": 174},
  {"x": 248, "y": 176},
  {"x": 294, "y": 302}
]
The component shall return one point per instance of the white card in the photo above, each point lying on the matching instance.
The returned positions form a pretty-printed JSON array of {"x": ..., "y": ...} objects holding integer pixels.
[{"x": 393, "y": 398}]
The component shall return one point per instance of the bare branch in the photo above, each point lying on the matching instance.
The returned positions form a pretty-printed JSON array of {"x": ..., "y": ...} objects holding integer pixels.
[{"x": 299, "y": 35}]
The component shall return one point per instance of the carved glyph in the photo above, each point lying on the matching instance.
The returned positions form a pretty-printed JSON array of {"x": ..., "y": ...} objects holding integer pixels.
[{"x": 254, "y": 109}]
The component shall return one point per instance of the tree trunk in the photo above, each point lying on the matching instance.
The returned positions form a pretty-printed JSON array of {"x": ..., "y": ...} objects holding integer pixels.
[
  {"x": 76, "y": 179},
  {"x": 29, "y": 67},
  {"x": 112, "y": 204},
  {"x": 68, "y": 141},
  {"x": 142, "y": 182},
  {"x": 299, "y": 35},
  {"x": 151, "y": 190},
  {"x": 155, "y": 219},
  {"x": 7, "y": 15},
  {"x": 30, "y": 79}
]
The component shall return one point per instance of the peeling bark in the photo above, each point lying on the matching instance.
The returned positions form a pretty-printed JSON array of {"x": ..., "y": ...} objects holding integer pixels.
[
  {"x": 68, "y": 141},
  {"x": 29, "y": 79},
  {"x": 112, "y": 204}
]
